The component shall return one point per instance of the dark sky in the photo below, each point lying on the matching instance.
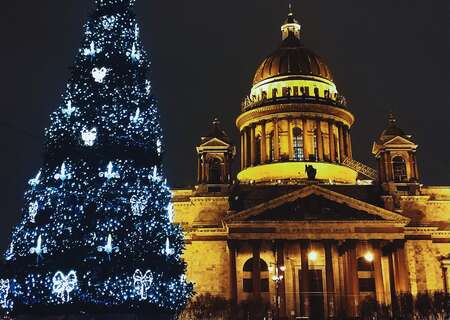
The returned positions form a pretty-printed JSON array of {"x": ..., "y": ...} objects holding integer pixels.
[{"x": 384, "y": 55}]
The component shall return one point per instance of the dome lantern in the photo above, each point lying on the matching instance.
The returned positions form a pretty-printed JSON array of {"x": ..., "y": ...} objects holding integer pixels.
[{"x": 290, "y": 26}]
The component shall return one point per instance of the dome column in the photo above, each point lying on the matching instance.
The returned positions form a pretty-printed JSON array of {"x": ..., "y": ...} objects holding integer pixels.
[
  {"x": 349, "y": 144},
  {"x": 242, "y": 151},
  {"x": 319, "y": 137},
  {"x": 245, "y": 154},
  {"x": 332, "y": 142},
  {"x": 263, "y": 142},
  {"x": 291, "y": 153},
  {"x": 306, "y": 140},
  {"x": 252, "y": 145},
  {"x": 276, "y": 137},
  {"x": 341, "y": 143}
]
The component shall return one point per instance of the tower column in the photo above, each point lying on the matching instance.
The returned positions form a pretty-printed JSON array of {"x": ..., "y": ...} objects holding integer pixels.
[
  {"x": 276, "y": 137},
  {"x": 306, "y": 140},
  {"x": 252, "y": 146},
  {"x": 263, "y": 143},
  {"x": 331, "y": 140},
  {"x": 319, "y": 140}
]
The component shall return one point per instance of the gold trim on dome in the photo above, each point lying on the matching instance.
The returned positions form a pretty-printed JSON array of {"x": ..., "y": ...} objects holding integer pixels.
[{"x": 324, "y": 112}]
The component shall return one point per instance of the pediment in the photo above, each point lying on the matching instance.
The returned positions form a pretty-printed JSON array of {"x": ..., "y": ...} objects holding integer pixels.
[
  {"x": 314, "y": 203},
  {"x": 214, "y": 142},
  {"x": 398, "y": 140}
]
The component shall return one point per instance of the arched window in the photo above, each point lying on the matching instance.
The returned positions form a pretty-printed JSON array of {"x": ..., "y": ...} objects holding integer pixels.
[
  {"x": 247, "y": 282},
  {"x": 215, "y": 171},
  {"x": 258, "y": 150},
  {"x": 366, "y": 276},
  {"x": 316, "y": 92},
  {"x": 297, "y": 135},
  {"x": 399, "y": 169}
]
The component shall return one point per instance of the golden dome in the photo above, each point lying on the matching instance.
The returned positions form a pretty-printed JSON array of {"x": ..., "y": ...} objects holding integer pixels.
[{"x": 292, "y": 58}]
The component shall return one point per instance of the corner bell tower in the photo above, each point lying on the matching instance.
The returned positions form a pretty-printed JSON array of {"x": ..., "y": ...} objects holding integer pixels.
[
  {"x": 215, "y": 155},
  {"x": 396, "y": 155}
]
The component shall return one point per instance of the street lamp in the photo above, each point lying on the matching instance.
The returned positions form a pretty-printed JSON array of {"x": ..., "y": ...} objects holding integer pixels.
[{"x": 277, "y": 278}]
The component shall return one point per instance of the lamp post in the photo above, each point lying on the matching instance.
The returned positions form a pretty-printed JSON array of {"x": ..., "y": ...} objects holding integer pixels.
[{"x": 277, "y": 277}]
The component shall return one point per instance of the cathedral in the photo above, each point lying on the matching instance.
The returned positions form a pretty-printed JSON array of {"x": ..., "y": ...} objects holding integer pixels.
[{"x": 303, "y": 227}]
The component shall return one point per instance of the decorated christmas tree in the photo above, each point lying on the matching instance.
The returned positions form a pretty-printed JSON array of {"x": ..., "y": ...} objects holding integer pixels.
[{"x": 96, "y": 234}]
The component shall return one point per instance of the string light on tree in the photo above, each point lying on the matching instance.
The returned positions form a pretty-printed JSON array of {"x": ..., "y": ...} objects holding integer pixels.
[{"x": 4, "y": 292}]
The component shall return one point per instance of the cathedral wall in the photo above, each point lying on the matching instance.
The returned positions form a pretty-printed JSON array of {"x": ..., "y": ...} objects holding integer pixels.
[
  {"x": 208, "y": 267},
  {"x": 424, "y": 265}
]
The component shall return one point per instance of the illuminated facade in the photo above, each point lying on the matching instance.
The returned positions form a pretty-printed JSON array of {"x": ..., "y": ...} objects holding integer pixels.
[{"x": 328, "y": 231}]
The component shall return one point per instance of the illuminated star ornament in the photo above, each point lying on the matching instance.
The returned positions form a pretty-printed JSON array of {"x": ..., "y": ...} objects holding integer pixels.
[
  {"x": 69, "y": 110},
  {"x": 39, "y": 249},
  {"x": 109, "y": 173},
  {"x": 63, "y": 174},
  {"x": 108, "y": 247}
]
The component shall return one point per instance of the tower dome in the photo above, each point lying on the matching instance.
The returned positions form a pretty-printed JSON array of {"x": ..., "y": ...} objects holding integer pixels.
[{"x": 294, "y": 122}]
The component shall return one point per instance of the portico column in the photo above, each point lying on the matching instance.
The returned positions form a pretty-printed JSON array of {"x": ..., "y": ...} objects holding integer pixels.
[
  {"x": 263, "y": 142},
  {"x": 276, "y": 137},
  {"x": 330, "y": 279},
  {"x": 252, "y": 145},
  {"x": 341, "y": 143},
  {"x": 319, "y": 140},
  {"x": 232, "y": 249},
  {"x": 416, "y": 166},
  {"x": 256, "y": 270},
  {"x": 290, "y": 152},
  {"x": 306, "y": 140},
  {"x": 199, "y": 169},
  {"x": 351, "y": 275},
  {"x": 281, "y": 288},
  {"x": 304, "y": 281},
  {"x": 377, "y": 268},
  {"x": 331, "y": 140},
  {"x": 401, "y": 267}
]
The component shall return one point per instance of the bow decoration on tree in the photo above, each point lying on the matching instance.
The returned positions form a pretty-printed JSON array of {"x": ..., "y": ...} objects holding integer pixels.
[
  {"x": 142, "y": 282},
  {"x": 63, "y": 285}
]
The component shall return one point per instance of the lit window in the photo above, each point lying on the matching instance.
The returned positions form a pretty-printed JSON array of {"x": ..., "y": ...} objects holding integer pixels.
[
  {"x": 399, "y": 168},
  {"x": 299, "y": 154}
]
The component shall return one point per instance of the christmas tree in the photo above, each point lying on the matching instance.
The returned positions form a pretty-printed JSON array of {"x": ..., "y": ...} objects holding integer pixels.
[{"x": 96, "y": 235}]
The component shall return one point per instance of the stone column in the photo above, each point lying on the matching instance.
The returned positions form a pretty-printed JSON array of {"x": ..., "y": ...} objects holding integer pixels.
[
  {"x": 388, "y": 163},
  {"x": 276, "y": 143},
  {"x": 242, "y": 150},
  {"x": 245, "y": 154},
  {"x": 252, "y": 146},
  {"x": 256, "y": 270},
  {"x": 319, "y": 140},
  {"x": 379, "y": 283},
  {"x": 392, "y": 281},
  {"x": 232, "y": 249},
  {"x": 351, "y": 275},
  {"x": 304, "y": 281},
  {"x": 290, "y": 150},
  {"x": 401, "y": 267},
  {"x": 331, "y": 140},
  {"x": 341, "y": 143},
  {"x": 331, "y": 301},
  {"x": 416, "y": 167},
  {"x": 199, "y": 169},
  {"x": 263, "y": 142},
  {"x": 281, "y": 287},
  {"x": 306, "y": 140},
  {"x": 349, "y": 144}
]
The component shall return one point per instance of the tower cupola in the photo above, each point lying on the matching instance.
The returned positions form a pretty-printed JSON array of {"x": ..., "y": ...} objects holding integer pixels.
[{"x": 290, "y": 27}]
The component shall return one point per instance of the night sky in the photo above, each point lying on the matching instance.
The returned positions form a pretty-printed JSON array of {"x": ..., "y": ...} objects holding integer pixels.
[{"x": 385, "y": 55}]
